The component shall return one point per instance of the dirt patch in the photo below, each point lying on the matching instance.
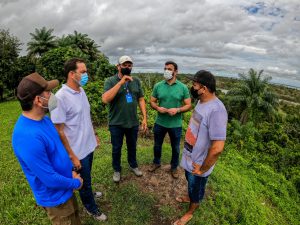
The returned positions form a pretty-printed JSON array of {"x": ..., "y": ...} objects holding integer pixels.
[
  {"x": 163, "y": 187},
  {"x": 160, "y": 183}
]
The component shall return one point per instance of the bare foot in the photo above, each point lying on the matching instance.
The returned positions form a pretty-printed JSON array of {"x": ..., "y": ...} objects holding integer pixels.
[
  {"x": 183, "y": 199},
  {"x": 184, "y": 219}
]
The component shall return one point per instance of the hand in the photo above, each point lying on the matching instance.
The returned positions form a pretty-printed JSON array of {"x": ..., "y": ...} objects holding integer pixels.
[
  {"x": 144, "y": 126},
  {"x": 125, "y": 78},
  {"x": 172, "y": 111},
  {"x": 77, "y": 176},
  {"x": 197, "y": 169},
  {"x": 162, "y": 109},
  {"x": 97, "y": 139},
  {"x": 76, "y": 162}
]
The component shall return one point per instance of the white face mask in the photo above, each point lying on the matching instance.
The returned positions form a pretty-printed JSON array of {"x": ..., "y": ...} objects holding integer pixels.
[
  {"x": 52, "y": 102},
  {"x": 168, "y": 75}
]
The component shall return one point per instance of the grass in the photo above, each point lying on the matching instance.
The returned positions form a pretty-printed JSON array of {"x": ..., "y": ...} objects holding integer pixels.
[{"x": 240, "y": 192}]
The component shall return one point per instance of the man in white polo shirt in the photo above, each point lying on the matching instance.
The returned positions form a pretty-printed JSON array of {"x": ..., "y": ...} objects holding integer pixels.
[{"x": 73, "y": 121}]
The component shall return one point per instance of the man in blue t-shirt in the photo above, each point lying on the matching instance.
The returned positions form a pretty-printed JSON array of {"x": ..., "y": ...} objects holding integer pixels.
[
  {"x": 41, "y": 153},
  {"x": 204, "y": 140}
]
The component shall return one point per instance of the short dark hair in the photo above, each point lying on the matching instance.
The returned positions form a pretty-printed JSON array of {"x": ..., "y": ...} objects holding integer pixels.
[
  {"x": 207, "y": 79},
  {"x": 172, "y": 63},
  {"x": 26, "y": 105},
  {"x": 71, "y": 65}
]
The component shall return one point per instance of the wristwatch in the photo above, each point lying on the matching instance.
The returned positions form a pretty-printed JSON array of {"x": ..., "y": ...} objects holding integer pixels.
[{"x": 178, "y": 110}]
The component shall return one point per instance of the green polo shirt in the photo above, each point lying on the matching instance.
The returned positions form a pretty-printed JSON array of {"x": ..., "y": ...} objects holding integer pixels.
[
  {"x": 170, "y": 96},
  {"x": 120, "y": 112}
]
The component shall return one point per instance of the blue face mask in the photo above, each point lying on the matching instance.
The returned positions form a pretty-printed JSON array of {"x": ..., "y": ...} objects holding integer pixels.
[{"x": 84, "y": 79}]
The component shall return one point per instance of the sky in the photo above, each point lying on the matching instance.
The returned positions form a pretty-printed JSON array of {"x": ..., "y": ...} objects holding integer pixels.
[{"x": 226, "y": 37}]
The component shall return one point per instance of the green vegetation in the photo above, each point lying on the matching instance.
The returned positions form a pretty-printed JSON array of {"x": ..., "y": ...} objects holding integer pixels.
[
  {"x": 10, "y": 47},
  {"x": 47, "y": 55},
  {"x": 252, "y": 99},
  {"x": 284, "y": 93},
  {"x": 256, "y": 180},
  {"x": 41, "y": 42},
  {"x": 240, "y": 191}
]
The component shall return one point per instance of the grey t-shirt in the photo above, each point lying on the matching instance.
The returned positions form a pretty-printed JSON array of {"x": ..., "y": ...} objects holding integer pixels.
[{"x": 208, "y": 123}]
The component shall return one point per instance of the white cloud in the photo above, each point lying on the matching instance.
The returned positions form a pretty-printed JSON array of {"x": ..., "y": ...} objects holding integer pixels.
[
  {"x": 197, "y": 34},
  {"x": 281, "y": 70},
  {"x": 245, "y": 48}
]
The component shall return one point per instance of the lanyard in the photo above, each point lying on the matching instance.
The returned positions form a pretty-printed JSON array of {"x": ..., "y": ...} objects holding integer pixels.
[{"x": 126, "y": 87}]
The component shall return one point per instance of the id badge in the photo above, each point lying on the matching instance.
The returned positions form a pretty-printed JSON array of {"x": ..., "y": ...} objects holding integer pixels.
[{"x": 128, "y": 98}]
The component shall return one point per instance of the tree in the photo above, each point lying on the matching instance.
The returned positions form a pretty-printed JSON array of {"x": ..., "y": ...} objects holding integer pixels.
[
  {"x": 23, "y": 67},
  {"x": 82, "y": 41},
  {"x": 100, "y": 68},
  {"x": 9, "y": 51},
  {"x": 252, "y": 98},
  {"x": 51, "y": 64},
  {"x": 41, "y": 42}
]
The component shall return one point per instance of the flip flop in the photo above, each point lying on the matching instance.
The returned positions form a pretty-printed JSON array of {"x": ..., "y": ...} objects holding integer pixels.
[
  {"x": 181, "y": 199},
  {"x": 182, "y": 222}
]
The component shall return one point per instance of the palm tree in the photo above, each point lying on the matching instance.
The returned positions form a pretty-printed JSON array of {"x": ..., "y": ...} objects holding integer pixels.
[
  {"x": 252, "y": 97},
  {"x": 42, "y": 41},
  {"x": 81, "y": 41}
]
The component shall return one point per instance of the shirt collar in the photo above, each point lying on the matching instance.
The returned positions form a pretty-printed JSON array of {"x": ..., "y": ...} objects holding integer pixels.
[
  {"x": 70, "y": 89},
  {"x": 171, "y": 84},
  {"x": 118, "y": 77}
]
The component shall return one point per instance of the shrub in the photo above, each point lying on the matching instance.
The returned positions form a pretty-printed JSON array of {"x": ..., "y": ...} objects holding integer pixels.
[{"x": 99, "y": 111}]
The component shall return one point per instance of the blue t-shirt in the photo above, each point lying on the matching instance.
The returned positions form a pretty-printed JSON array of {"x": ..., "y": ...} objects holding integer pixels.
[{"x": 44, "y": 160}]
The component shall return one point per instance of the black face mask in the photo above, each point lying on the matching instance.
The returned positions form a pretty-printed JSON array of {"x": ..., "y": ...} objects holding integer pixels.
[
  {"x": 194, "y": 93},
  {"x": 126, "y": 71}
]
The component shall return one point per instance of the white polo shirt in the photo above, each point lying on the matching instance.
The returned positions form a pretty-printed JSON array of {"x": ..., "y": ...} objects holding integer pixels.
[{"x": 73, "y": 109}]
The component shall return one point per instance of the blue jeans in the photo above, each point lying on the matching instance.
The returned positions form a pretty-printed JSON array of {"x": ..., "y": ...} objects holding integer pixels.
[
  {"x": 117, "y": 134},
  {"x": 196, "y": 186},
  {"x": 175, "y": 136},
  {"x": 86, "y": 192}
]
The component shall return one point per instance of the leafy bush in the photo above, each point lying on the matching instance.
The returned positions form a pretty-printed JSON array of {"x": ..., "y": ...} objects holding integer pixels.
[
  {"x": 101, "y": 68},
  {"x": 51, "y": 64},
  {"x": 269, "y": 144},
  {"x": 247, "y": 192},
  {"x": 99, "y": 111}
]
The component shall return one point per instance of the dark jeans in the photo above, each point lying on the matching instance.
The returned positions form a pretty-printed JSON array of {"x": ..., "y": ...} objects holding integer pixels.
[
  {"x": 159, "y": 135},
  {"x": 86, "y": 192},
  {"x": 117, "y": 134},
  {"x": 196, "y": 187}
]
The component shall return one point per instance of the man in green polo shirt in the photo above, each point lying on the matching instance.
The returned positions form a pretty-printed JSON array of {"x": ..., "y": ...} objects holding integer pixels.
[
  {"x": 170, "y": 98},
  {"x": 124, "y": 93}
]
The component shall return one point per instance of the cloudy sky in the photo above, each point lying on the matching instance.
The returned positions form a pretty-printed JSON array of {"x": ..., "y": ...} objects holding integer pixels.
[{"x": 226, "y": 37}]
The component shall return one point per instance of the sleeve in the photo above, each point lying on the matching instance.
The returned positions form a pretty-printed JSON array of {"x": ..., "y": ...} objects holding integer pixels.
[
  {"x": 186, "y": 93},
  {"x": 107, "y": 85},
  {"x": 141, "y": 92},
  {"x": 217, "y": 125},
  {"x": 38, "y": 163},
  {"x": 154, "y": 92},
  {"x": 59, "y": 114}
]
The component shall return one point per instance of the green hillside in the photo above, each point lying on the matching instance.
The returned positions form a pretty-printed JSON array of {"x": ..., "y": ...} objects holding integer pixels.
[{"x": 240, "y": 191}]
